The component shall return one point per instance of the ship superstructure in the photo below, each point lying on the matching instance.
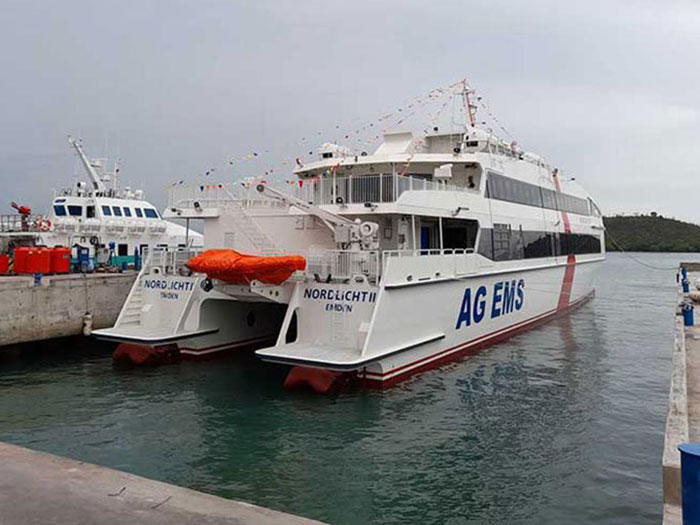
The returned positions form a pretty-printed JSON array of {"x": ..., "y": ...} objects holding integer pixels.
[
  {"x": 427, "y": 249},
  {"x": 114, "y": 224}
]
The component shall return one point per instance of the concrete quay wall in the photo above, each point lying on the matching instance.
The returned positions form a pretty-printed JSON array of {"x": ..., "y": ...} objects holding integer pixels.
[
  {"x": 36, "y": 487},
  {"x": 56, "y": 307},
  {"x": 683, "y": 416}
]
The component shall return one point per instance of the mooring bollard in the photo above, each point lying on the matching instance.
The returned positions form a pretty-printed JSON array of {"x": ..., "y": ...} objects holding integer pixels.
[
  {"x": 688, "y": 316},
  {"x": 690, "y": 482},
  {"x": 686, "y": 285}
]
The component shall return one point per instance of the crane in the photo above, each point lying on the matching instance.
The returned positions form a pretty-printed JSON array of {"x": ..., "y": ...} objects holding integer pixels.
[
  {"x": 358, "y": 234},
  {"x": 97, "y": 183}
]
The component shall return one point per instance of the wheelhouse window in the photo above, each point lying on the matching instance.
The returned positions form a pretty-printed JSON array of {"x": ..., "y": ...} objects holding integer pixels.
[
  {"x": 117, "y": 211},
  {"x": 138, "y": 211},
  {"x": 127, "y": 211},
  {"x": 106, "y": 211},
  {"x": 75, "y": 211},
  {"x": 59, "y": 210},
  {"x": 150, "y": 213}
]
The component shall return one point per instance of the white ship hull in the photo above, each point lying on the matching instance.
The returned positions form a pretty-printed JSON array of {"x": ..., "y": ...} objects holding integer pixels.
[
  {"x": 413, "y": 326},
  {"x": 445, "y": 308}
]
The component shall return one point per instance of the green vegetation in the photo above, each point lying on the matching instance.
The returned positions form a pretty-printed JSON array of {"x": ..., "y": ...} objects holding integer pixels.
[{"x": 651, "y": 233}]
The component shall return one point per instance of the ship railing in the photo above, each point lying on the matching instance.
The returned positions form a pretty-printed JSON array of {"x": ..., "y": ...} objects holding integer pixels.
[
  {"x": 330, "y": 189},
  {"x": 18, "y": 223},
  {"x": 360, "y": 189},
  {"x": 343, "y": 264},
  {"x": 422, "y": 264},
  {"x": 170, "y": 261}
]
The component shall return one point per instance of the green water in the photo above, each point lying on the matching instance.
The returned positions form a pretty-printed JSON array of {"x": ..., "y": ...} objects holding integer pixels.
[{"x": 563, "y": 424}]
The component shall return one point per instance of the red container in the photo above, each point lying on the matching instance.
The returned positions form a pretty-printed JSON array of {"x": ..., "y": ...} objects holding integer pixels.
[
  {"x": 4, "y": 263},
  {"x": 39, "y": 260},
  {"x": 60, "y": 260},
  {"x": 20, "y": 259}
]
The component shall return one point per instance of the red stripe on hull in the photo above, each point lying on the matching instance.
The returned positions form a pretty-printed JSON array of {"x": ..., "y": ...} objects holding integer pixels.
[
  {"x": 567, "y": 283},
  {"x": 470, "y": 347}
]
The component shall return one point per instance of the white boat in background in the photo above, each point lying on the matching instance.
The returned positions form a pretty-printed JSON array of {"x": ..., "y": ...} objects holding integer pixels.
[
  {"x": 423, "y": 251},
  {"x": 111, "y": 223}
]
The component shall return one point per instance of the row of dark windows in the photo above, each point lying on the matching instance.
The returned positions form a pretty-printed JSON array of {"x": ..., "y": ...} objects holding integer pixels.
[
  {"x": 149, "y": 213},
  {"x": 511, "y": 190},
  {"x": 77, "y": 211},
  {"x": 503, "y": 243}
]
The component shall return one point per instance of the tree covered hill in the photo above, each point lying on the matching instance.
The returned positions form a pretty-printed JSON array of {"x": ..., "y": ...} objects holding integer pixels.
[{"x": 651, "y": 233}]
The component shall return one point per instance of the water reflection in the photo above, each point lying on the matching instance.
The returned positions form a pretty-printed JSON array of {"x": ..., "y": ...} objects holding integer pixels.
[{"x": 534, "y": 430}]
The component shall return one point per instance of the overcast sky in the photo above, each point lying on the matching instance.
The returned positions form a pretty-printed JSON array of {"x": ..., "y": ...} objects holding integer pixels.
[{"x": 607, "y": 91}]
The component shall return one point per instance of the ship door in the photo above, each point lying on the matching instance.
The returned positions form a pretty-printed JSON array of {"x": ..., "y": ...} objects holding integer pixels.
[{"x": 425, "y": 238}]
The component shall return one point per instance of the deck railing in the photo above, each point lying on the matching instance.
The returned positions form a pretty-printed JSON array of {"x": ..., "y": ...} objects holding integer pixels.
[
  {"x": 334, "y": 264},
  {"x": 168, "y": 260},
  {"x": 18, "y": 223},
  {"x": 353, "y": 189}
]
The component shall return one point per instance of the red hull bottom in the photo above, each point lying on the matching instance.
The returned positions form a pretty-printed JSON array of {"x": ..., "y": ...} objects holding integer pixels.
[
  {"x": 144, "y": 355},
  {"x": 470, "y": 348}
]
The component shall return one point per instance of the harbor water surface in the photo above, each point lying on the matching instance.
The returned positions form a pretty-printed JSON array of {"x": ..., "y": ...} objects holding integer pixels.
[{"x": 563, "y": 424}]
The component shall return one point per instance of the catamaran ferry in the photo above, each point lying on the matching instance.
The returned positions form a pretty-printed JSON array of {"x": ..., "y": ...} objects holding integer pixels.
[
  {"x": 426, "y": 250},
  {"x": 111, "y": 224}
]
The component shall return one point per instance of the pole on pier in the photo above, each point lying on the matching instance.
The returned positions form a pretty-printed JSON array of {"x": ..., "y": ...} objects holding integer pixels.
[
  {"x": 187, "y": 232},
  {"x": 690, "y": 482}
]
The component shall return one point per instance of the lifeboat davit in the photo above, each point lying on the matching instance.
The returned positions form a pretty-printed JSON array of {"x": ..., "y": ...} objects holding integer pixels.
[{"x": 233, "y": 267}]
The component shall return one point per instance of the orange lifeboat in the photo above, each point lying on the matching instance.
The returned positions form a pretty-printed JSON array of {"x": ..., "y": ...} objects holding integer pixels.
[{"x": 237, "y": 268}]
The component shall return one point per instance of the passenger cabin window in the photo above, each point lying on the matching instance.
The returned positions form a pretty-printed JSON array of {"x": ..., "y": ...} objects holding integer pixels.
[
  {"x": 138, "y": 211},
  {"x": 106, "y": 211},
  {"x": 595, "y": 210},
  {"x": 506, "y": 243},
  {"x": 117, "y": 211},
  {"x": 90, "y": 212},
  {"x": 150, "y": 213},
  {"x": 75, "y": 211},
  {"x": 127, "y": 212},
  {"x": 459, "y": 234},
  {"x": 504, "y": 188},
  {"x": 59, "y": 210}
]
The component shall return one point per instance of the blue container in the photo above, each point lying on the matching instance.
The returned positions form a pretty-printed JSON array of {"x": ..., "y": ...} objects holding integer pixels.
[
  {"x": 690, "y": 482},
  {"x": 686, "y": 285},
  {"x": 37, "y": 279},
  {"x": 684, "y": 273},
  {"x": 688, "y": 316}
]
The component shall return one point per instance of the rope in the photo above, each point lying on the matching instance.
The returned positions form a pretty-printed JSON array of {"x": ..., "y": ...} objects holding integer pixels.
[{"x": 646, "y": 265}]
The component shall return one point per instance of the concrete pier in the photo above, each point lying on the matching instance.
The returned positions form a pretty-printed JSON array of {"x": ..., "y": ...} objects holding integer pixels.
[
  {"x": 56, "y": 307},
  {"x": 683, "y": 417},
  {"x": 41, "y": 488}
]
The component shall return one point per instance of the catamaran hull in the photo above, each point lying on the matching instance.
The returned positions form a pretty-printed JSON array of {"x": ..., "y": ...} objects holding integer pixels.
[
  {"x": 470, "y": 323},
  {"x": 419, "y": 326}
]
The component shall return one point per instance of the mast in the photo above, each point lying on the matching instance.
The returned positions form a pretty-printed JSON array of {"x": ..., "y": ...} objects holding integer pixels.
[
  {"x": 469, "y": 108},
  {"x": 97, "y": 184}
]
